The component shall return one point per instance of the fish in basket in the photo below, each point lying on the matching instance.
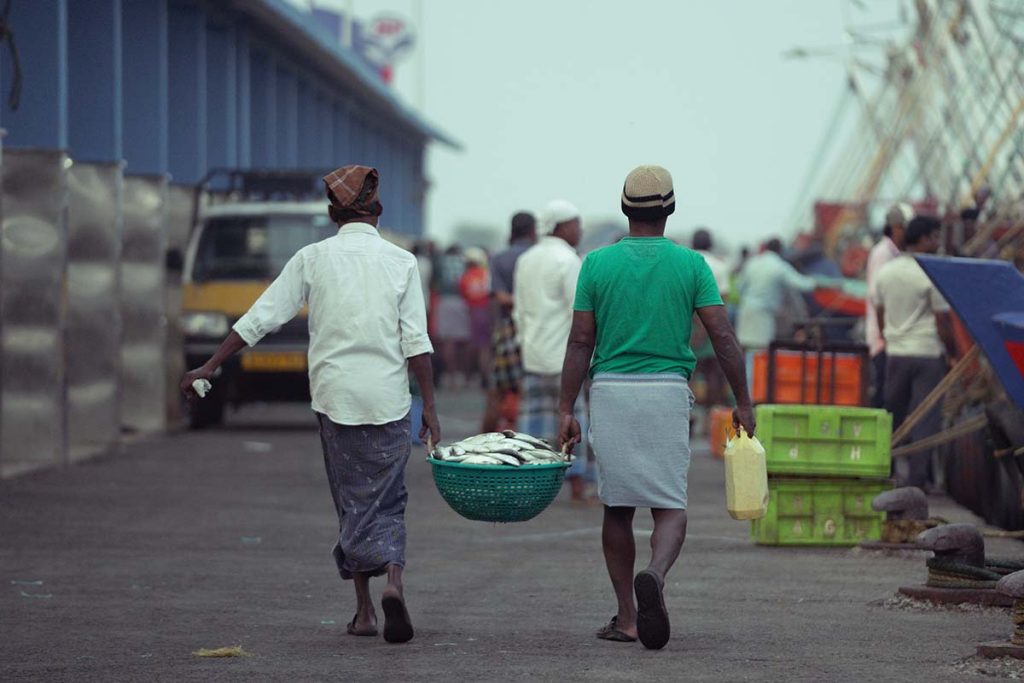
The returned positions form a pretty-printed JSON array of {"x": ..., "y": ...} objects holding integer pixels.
[{"x": 499, "y": 476}]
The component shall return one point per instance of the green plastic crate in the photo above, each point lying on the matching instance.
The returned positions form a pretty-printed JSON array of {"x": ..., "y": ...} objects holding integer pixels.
[
  {"x": 836, "y": 441},
  {"x": 815, "y": 511}
]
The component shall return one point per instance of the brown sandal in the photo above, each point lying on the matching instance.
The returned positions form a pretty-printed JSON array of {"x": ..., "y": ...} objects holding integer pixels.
[
  {"x": 611, "y": 632},
  {"x": 350, "y": 628}
]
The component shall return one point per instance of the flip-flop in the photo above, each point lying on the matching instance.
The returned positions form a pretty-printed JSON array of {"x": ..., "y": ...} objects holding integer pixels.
[
  {"x": 350, "y": 628},
  {"x": 652, "y": 617},
  {"x": 397, "y": 624},
  {"x": 610, "y": 632}
]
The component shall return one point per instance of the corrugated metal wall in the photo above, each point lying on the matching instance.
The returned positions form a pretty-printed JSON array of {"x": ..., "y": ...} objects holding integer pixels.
[
  {"x": 143, "y": 321},
  {"x": 93, "y": 328},
  {"x": 33, "y": 309},
  {"x": 145, "y": 96}
]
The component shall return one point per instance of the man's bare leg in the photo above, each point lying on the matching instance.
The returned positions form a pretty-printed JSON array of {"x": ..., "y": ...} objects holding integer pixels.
[
  {"x": 620, "y": 557},
  {"x": 667, "y": 539},
  {"x": 492, "y": 411},
  {"x": 366, "y": 618},
  {"x": 653, "y": 625},
  {"x": 577, "y": 488}
]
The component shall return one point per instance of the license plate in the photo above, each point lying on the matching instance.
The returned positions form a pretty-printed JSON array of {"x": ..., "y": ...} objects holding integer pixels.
[{"x": 266, "y": 361}]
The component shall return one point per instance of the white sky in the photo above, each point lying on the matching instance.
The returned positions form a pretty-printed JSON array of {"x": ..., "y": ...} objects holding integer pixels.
[{"x": 561, "y": 98}]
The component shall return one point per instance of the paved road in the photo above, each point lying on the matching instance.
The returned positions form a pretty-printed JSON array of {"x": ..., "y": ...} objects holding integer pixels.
[{"x": 118, "y": 569}]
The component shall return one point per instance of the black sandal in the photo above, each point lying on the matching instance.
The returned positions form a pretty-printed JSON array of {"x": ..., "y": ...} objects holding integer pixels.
[
  {"x": 652, "y": 616},
  {"x": 611, "y": 632}
]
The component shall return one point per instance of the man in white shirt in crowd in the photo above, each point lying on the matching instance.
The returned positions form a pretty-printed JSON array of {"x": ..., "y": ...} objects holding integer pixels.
[
  {"x": 765, "y": 283},
  {"x": 917, "y": 328},
  {"x": 888, "y": 248},
  {"x": 367, "y": 329},
  {"x": 544, "y": 288}
]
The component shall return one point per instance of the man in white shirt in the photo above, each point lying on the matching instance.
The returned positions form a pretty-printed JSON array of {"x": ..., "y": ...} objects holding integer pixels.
[
  {"x": 765, "y": 284},
  {"x": 886, "y": 250},
  {"x": 916, "y": 328},
  {"x": 544, "y": 288},
  {"x": 367, "y": 328}
]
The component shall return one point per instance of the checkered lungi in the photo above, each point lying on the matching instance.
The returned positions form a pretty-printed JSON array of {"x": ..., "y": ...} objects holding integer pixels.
[
  {"x": 507, "y": 373},
  {"x": 366, "y": 472},
  {"x": 538, "y": 415}
]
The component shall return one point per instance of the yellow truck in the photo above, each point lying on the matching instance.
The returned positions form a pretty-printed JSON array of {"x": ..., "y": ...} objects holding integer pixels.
[{"x": 235, "y": 251}]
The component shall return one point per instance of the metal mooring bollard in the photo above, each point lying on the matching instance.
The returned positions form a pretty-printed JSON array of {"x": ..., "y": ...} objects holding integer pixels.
[{"x": 1011, "y": 585}]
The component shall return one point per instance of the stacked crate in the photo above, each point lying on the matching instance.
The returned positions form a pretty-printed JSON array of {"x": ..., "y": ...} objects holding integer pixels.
[{"x": 825, "y": 465}]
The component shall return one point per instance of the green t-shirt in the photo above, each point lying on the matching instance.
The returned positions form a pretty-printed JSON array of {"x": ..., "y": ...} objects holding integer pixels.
[{"x": 643, "y": 292}]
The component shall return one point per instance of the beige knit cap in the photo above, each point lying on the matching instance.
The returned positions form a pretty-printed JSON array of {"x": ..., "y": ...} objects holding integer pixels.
[{"x": 648, "y": 194}]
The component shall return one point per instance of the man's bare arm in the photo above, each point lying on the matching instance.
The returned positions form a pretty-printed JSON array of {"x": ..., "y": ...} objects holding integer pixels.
[
  {"x": 229, "y": 347},
  {"x": 578, "y": 352},
  {"x": 944, "y": 326},
  {"x": 880, "y": 316},
  {"x": 423, "y": 371},
  {"x": 730, "y": 357}
]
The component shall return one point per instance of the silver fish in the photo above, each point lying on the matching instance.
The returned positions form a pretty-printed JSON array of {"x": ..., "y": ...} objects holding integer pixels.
[
  {"x": 519, "y": 436},
  {"x": 519, "y": 445},
  {"x": 483, "y": 438},
  {"x": 506, "y": 459},
  {"x": 475, "y": 448},
  {"x": 477, "y": 459}
]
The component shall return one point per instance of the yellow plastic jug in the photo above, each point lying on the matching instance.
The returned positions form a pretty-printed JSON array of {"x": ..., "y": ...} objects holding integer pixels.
[{"x": 746, "y": 477}]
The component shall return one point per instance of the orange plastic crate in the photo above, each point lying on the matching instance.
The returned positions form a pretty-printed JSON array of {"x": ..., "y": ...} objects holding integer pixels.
[
  {"x": 719, "y": 429},
  {"x": 790, "y": 377}
]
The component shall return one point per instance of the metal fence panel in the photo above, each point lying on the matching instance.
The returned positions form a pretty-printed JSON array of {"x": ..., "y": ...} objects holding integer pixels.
[
  {"x": 33, "y": 430},
  {"x": 94, "y": 314},
  {"x": 179, "y": 225},
  {"x": 143, "y": 302}
]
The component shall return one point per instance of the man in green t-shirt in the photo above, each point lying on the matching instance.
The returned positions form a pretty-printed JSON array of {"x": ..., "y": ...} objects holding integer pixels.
[{"x": 631, "y": 329}]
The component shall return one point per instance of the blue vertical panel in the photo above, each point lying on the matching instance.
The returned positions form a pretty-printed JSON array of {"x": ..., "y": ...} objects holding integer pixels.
[
  {"x": 186, "y": 87},
  {"x": 41, "y": 119},
  {"x": 221, "y": 97},
  {"x": 419, "y": 194},
  {"x": 244, "y": 105},
  {"x": 287, "y": 118},
  {"x": 325, "y": 131},
  {"x": 307, "y": 125},
  {"x": 263, "y": 108},
  {"x": 94, "y": 80},
  {"x": 357, "y": 138},
  {"x": 144, "y": 86},
  {"x": 342, "y": 147}
]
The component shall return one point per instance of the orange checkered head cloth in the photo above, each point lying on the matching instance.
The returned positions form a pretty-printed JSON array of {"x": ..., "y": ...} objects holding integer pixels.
[{"x": 353, "y": 191}]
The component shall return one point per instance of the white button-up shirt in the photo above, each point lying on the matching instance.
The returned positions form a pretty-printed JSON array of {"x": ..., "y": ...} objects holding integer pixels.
[
  {"x": 366, "y": 317},
  {"x": 544, "y": 289}
]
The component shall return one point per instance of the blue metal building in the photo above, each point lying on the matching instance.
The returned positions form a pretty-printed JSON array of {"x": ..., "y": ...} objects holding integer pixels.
[
  {"x": 180, "y": 86},
  {"x": 113, "y": 109}
]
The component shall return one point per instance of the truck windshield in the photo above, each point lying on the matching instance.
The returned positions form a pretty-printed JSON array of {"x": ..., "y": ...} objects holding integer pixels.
[{"x": 255, "y": 247}]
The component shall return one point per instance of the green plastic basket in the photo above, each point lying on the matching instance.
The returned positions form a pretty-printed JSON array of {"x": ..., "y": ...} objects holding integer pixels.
[{"x": 497, "y": 493}]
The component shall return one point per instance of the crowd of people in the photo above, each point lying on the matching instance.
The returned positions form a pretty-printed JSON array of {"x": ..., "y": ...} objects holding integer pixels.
[
  {"x": 501, "y": 320},
  {"x": 558, "y": 341}
]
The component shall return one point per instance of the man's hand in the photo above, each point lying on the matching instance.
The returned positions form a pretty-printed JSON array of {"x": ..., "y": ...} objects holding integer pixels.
[
  {"x": 743, "y": 416},
  {"x": 568, "y": 432},
  {"x": 430, "y": 425},
  {"x": 202, "y": 372}
]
